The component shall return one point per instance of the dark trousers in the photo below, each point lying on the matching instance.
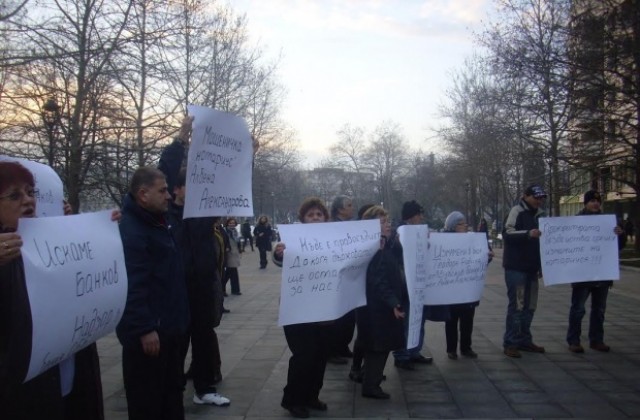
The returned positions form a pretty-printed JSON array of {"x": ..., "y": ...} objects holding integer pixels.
[
  {"x": 205, "y": 357},
  {"x": 579, "y": 296},
  {"x": 307, "y": 364},
  {"x": 247, "y": 240},
  {"x": 231, "y": 274},
  {"x": 462, "y": 315},
  {"x": 154, "y": 385},
  {"x": 263, "y": 256},
  {"x": 374, "y": 362},
  {"x": 344, "y": 328}
]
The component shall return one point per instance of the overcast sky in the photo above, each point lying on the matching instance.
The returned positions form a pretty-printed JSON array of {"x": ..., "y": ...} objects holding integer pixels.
[{"x": 364, "y": 61}]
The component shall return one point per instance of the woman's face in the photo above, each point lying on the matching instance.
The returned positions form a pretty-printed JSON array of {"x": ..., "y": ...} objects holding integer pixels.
[
  {"x": 385, "y": 226},
  {"x": 15, "y": 202},
  {"x": 462, "y": 227},
  {"x": 314, "y": 215},
  {"x": 262, "y": 220},
  {"x": 232, "y": 223}
]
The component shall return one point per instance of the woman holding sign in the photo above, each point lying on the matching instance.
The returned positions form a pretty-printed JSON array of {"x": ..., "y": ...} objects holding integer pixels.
[
  {"x": 382, "y": 319},
  {"x": 67, "y": 391},
  {"x": 461, "y": 314},
  {"x": 309, "y": 343}
]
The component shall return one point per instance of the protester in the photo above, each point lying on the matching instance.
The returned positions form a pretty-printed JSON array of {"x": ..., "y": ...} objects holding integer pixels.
[
  {"x": 49, "y": 395},
  {"x": 460, "y": 315},
  {"x": 356, "y": 372},
  {"x": 521, "y": 262},
  {"x": 233, "y": 258},
  {"x": 155, "y": 320},
  {"x": 413, "y": 214},
  {"x": 598, "y": 290},
  {"x": 382, "y": 326},
  {"x": 341, "y": 211},
  {"x": 246, "y": 235},
  {"x": 263, "y": 234},
  {"x": 308, "y": 342},
  {"x": 197, "y": 244}
]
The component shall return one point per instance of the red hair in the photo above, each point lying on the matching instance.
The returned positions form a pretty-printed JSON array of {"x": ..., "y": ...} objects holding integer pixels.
[{"x": 12, "y": 173}]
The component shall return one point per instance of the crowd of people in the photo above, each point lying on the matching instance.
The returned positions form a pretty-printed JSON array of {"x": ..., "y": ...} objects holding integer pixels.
[{"x": 178, "y": 270}]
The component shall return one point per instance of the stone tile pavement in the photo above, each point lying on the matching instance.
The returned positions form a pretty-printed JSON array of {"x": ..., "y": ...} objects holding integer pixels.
[{"x": 554, "y": 385}]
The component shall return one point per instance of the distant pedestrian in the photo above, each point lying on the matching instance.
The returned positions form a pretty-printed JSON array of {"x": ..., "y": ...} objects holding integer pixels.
[
  {"x": 245, "y": 229},
  {"x": 263, "y": 234},
  {"x": 629, "y": 230},
  {"x": 522, "y": 267},
  {"x": 233, "y": 258}
]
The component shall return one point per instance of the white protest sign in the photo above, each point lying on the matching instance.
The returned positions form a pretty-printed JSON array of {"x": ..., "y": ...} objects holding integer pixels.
[
  {"x": 76, "y": 281},
  {"x": 447, "y": 268},
  {"x": 324, "y": 269},
  {"x": 219, "y": 166},
  {"x": 414, "y": 240},
  {"x": 49, "y": 191},
  {"x": 579, "y": 248}
]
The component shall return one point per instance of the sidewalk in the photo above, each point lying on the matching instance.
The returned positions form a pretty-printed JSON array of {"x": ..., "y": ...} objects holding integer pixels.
[{"x": 557, "y": 384}]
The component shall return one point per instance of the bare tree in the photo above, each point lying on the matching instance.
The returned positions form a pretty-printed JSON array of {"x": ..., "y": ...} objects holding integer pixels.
[{"x": 528, "y": 43}]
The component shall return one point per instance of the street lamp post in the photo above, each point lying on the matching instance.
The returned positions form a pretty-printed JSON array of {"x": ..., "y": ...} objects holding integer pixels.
[
  {"x": 273, "y": 201},
  {"x": 51, "y": 117}
]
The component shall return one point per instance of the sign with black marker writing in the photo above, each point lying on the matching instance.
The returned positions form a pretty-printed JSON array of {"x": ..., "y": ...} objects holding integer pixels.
[
  {"x": 48, "y": 188},
  {"x": 579, "y": 248},
  {"x": 76, "y": 281},
  {"x": 219, "y": 165},
  {"x": 441, "y": 268},
  {"x": 324, "y": 269}
]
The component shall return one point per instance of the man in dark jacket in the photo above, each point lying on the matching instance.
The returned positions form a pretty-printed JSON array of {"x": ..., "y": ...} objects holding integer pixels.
[
  {"x": 521, "y": 262},
  {"x": 597, "y": 289},
  {"x": 246, "y": 234},
  {"x": 156, "y": 314},
  {"x": 196, "y": 240}
]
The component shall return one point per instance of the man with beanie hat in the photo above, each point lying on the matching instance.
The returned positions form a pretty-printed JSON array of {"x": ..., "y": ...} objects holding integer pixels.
[
  {"x": 522, "y": 267},
  {"x": 597, "y": 289},
  {"x": 412, "y": 214}
]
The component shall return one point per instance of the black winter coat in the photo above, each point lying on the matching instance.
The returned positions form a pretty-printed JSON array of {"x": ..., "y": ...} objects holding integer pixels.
[
  {"x": 200, "y": 251},
  {"x": 386, "y": 289},
  {"x": 157, "y": 293},
  {"x": 41, "y": 397},
  {"x": 263, "y": 241}
]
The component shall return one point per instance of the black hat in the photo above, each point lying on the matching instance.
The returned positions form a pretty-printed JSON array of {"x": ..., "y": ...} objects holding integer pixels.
[
  {"x": 592, "y": 195},
  {"x": 410, "y": 209},
  {"x": 535, "y": 190}
]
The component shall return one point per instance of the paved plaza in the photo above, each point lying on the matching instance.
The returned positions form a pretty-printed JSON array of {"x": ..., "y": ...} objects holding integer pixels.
[{"x": 557, "y": 384}]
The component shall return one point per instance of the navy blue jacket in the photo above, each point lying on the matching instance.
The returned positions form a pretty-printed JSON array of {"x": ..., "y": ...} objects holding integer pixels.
[
  {"x": 157, "y": 293},
  {"x": 521, "y": 252}
]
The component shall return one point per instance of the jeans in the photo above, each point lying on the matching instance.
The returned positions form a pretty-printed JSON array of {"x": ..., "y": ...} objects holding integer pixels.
[
  {"x": 579, "y": 296},
  {"x": 522, "y": 291}
]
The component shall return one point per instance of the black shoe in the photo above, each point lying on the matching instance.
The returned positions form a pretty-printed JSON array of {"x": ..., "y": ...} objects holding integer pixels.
[
  {"x": 356, "y": 375},
  {"x": 317, "y": 405},
  {"x": 337, "y": 360},
  {"x": 225, "y": 311},
  {"x": 296, "y": 410},
  {"x": 237, "y": 294},
  {"x": 422, "y": 360},
  {"x": 469, "y": 353},
  {"x": 377, "y": 394},
  {"x": 404, "y": 364}
]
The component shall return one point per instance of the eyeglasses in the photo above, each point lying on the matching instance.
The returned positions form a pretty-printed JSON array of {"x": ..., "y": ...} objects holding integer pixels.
[{"x": 19, "y": 195}]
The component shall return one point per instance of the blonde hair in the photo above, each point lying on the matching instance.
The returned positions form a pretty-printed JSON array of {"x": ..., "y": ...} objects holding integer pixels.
[{"x": 375, "y": 212}]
